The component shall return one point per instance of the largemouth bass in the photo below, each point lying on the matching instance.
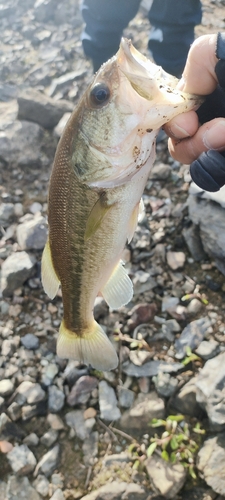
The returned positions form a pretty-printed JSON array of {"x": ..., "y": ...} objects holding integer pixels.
[{"x": 101, "y": 166}]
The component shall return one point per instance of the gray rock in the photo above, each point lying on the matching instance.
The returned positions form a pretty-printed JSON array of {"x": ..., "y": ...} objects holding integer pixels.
[
  {"x": 31, "y": 440},
  {"x": 108, "y": 402},
  {"x": 9, "y": 430},
  {"x": 125, "y": 396},
  {"x": 165, "y": 385},
  {"x": 49, "y": 373},
  {"x": 75, "y": 420},
  {"x": 192, "y": 335},
  {"x": 139, "y": 357},
  {"x": 48, "y": 462},
  {"x": 81, "y": 391},
  {"x": 185, "y": 400},
  {"x": 65, "y": 81},
  {"x": 145, "y": 408},
  {"x": 101, "y": 308},
  {"x": 209, "y": 217},
  {"x": 19, "y": 488},
  {"x": 57, "y": 480},
  {"x": 118, "y": 491},
  {"x": 72, "y": 372},
  {"x": 35, "y": 207},
  {"x": 3, "y": 487},
  {"x": 35, "y": 410},
  {"x": 90, "y": 448},
  {"x": 32, "y": 234},
  {"x": 211, "y": 391},
  {"x": 6, "y": 213},
  {"x": 14, "y": 411},
  {"x": 30, "y": 341},
  {"x": 167, "y": 478},
  {"x": 22, "y": 391},
  {"x": 169, "y": 302},
  {"x": 21, "y": 144},
  {"x": 16, "y": 269},
  {"x": 208, "y": 349},
  {"x": 6, "y": 387},
  {"x": 35, "y": 394},
  {"x": 151, "y": 368},
  {"x": 194, "y": 306},
  {"x": 22, "y": 460},
  {"x": 55, "y": 422},
  {"x": 194, "y": 243},
  {"x": 37, "y": 107},
  {"x": 211, "y": 462},
  {"x": 143, "y": 282},
  {"x": 160, "y": 171},
  {"x": 2, "y": 402},
  {"x": 56, "y": 399},
  {"x": 41, "y": 485},
  {"x": 57, "y": 495},
  {"x": 8, "y": 347},
  {"x": 175, "y": 260},
  {"x": 49, "y": 438}
]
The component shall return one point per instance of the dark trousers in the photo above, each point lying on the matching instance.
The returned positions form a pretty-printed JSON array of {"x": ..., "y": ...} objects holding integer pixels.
[{"x": 171, "y": 34}]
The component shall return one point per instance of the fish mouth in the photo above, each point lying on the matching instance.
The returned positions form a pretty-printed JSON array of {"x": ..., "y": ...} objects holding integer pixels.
[
  {"x": 150, "y": 81},
  {"x": 144, "y": 75}
]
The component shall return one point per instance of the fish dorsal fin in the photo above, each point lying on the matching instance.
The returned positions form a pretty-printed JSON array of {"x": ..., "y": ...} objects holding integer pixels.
[
  {"x": 118, "y": 290},
  {"x": 137, "y": 212},
  {"x": 50, "y": 280},
  {"x": 92, "y": 347},
  {"x": 96, "y": 216}
]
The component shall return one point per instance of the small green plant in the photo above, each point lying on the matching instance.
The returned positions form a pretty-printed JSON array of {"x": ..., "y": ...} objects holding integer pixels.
[
  {"x": 178, "y": 442},
  {"x": 190, "y": 356}
]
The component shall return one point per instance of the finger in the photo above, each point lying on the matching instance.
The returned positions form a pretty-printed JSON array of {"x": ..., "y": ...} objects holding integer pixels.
[
  {"x": 199, "y": 73},
  {"x": 184, "y": 125},
  {"x": 211, "y": 135}
]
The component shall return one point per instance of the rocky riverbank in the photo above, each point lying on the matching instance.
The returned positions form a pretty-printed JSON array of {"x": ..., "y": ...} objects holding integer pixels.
[{"x": 68, "y": 432}]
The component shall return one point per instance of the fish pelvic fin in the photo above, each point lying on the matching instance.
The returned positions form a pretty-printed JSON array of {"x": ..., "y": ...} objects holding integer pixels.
[
  {"x": 133, "y": 222},
  {"x": 93, "y": 347},
  {"x": 118, "y": 290},
  {"x": 50, "y": 280},
  {"x": 96, "y": 216}
]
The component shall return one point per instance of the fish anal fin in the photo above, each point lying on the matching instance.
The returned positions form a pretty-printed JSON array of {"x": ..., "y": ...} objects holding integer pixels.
[
  {"x": 118, "y": 290},
  {"x": 50, "y": 280},
  {"x": 93, "y": 347},
  {"x": 137, "y": 212},
  {"x": 96, "y": 216}
]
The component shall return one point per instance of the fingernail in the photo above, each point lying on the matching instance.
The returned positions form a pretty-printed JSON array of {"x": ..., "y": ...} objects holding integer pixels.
[
  {"x": 179, "y": 132},
  {"x": 214, "y": 138}
]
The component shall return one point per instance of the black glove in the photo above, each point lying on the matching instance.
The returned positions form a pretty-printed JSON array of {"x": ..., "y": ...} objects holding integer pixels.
[{"x": 208, "y": 171}]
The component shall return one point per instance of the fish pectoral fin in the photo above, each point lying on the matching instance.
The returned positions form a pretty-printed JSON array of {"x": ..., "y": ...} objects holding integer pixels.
[
  {"x": 50, "y": 280},
  {"x": 118, "y": 290},
  {"x": 96, "y": 216},
  {"x": 137, "y": 212},
  {"x": 93, "y": 347}
]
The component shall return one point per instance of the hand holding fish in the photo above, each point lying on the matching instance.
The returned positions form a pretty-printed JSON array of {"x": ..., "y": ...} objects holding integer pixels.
[{"x": 188, "y": 140}]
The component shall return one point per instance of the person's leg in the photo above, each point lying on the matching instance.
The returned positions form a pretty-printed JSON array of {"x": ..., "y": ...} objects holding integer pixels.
[
  {"x": 104, "y": 24},
  {"x": 172, "y": 32}
]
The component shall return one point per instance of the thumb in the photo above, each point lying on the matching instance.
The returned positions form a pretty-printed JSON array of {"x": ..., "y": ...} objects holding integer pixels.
[{"x": 199, "y": 73}]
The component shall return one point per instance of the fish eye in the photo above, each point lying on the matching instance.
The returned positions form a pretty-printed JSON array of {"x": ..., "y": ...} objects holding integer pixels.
[{"x": 100, "y": 94}]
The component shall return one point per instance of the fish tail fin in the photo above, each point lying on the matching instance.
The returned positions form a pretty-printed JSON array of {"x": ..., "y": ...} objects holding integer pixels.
[{"x": 93, "y": 347}]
